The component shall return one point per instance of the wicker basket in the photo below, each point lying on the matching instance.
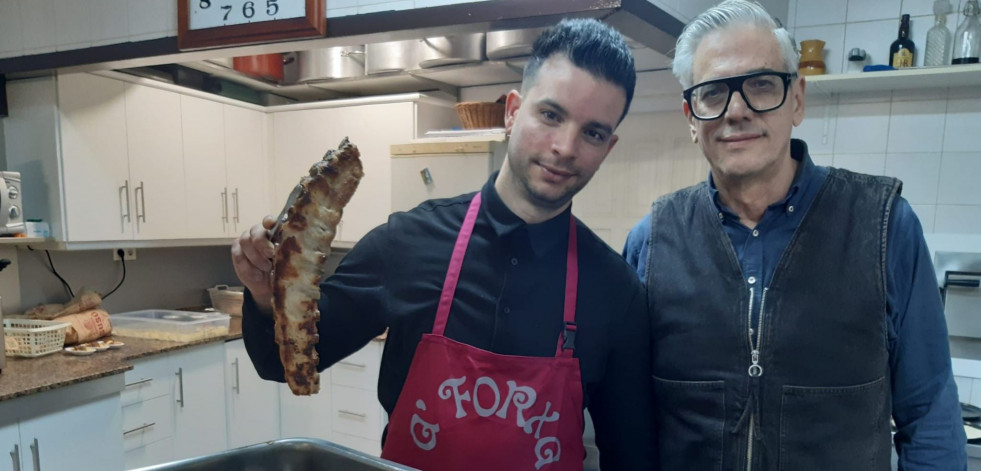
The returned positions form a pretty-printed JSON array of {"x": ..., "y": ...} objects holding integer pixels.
[
  {"x": 481, "y": 114},
  {"x": 33, "y": 338},
  {"x": 227, "y": 299}
]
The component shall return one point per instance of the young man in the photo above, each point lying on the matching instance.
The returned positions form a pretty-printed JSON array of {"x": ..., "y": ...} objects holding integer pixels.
[
  {"x": 545, "y": 319},
  {"x": 794, "y": 307}
]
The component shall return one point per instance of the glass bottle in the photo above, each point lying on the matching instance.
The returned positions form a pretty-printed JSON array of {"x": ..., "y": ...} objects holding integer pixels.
[
  {"x": 902, "y": 49},
  {"x": 967, "y": 39},
  {"x": 938, "y": 38}
]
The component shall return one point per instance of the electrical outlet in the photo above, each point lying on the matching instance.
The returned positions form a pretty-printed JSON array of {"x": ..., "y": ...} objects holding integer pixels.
[{"x": 128, "y": 254}]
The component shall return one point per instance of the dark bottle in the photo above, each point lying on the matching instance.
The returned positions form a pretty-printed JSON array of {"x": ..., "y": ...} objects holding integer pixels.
[{"x": 902, "y": 50}]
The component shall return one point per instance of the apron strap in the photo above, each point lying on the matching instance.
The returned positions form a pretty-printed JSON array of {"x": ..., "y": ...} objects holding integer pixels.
[
  {"x": 567, "y": 341},
  {"x": 456, "y": 263}
]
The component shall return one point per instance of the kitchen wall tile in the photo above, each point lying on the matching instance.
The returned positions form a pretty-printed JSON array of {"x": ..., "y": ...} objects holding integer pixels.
[
  {"x": 439, "y": 3},
  {"x": 920, "y": 173},
  {"x": 862, "y": 128},
  {"x": 11, "y": 41},
  {"x": 150, "y": 19},
  {"x": 334, "y": 4},
  {"x": 826, "y": 160},
  {"x": 925, "y": 94},
  {"x": 959, "y": 172},
  {"x": 963, "y": 219},
  {"x": 37, "y": 24},
  {"x": 811, "y": 13},
  {"x": 964, "y": 386},
  {"x": 975, "y": 397},
  {"x": 873, "y": 36},
  {"x": 336, "y": 12},
  {"x": 818, "y": 128},
  {"x": 73, "y": 24},
  {"x": 110, "y": 21},
  {"x": 869, "y": 96},
  {"x": 872, "y": 164},
  {"x": 867, "y": 10},
  {"x": 922, "y": 7},
  {"x": 834, "y": 38},
  {"x": 961, "y": 129},
  {"x": 926, "y": 213},
  {"x": 387, "y": 6},
  {"x": 791, "y": 23},
  {"x": 917, "y": 126},
  {"x": 362, "y": 3}
]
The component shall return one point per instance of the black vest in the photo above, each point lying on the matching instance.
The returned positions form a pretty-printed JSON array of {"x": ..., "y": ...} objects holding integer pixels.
[{"x": 821, "y": 398}]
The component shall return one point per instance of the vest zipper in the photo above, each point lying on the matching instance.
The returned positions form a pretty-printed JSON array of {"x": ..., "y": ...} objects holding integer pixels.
[{"x": 755, "y": 370}]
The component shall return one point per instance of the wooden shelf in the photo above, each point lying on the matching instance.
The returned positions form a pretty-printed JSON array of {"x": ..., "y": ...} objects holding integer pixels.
[
  {"x": 19, "y": 241},
  {"x": 907, "y": 79}
]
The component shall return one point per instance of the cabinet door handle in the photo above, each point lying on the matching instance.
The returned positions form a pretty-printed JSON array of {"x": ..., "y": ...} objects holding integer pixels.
[
  {"x": 224, "y": 206},
  {"x": 141, "y": 427},
  {"x": 355, "y": 414},
  {"x": 180, "y": 386},
  {"x": 235, "y": 201},
  {"x": 142, "y": 205},
  {"x": 355, "y": 365},
  {"x": 237, "y": 387},
  {"x": 15, "y": 457},
  {"x": 36, "y": 455},
  {"x": 137, "y": 383},
  {"x": 124, "y": 197}
]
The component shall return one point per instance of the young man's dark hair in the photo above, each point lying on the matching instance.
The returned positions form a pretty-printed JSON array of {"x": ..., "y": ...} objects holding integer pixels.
[{"x": 591, "y": 46}]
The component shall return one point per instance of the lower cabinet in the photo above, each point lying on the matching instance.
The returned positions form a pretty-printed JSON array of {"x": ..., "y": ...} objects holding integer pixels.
[
  {"x": 72, "y": 435},
  {"x": 251, "y": 401}
]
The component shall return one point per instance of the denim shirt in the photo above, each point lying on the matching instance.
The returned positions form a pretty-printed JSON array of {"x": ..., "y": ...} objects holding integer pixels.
[{"x": 925, "y": 403}]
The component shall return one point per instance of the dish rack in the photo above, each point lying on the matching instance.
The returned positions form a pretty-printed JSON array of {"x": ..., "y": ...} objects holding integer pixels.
[{"x": 33, "y": 338}]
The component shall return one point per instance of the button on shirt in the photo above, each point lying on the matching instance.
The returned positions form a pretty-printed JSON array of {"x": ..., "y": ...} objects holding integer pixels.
[
  {"x": 509, "y": 300},
  {"x": 925, "y": 404}
]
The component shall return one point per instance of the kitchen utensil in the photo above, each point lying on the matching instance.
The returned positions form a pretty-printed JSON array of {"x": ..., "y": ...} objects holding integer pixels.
[
  {"x": 274, "y": 232},
  {"x": 450, "y": 50},
  {"x": 263, "y": 66},
  {"x": 391, "y": 56},
  {"x": 331, "y": 63},
  {"x": 511, "y": 43}
]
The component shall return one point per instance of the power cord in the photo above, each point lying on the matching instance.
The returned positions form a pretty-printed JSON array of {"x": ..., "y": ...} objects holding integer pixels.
[
  {"x": 122, "y": 259},
  {"x": 51, "y": 266}
]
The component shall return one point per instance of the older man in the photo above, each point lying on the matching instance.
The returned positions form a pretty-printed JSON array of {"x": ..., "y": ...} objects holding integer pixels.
[{"x": 794, "y": 307}]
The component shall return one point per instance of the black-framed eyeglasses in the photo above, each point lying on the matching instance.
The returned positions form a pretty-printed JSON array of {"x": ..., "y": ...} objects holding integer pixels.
[{"x": 762, "y": 92}]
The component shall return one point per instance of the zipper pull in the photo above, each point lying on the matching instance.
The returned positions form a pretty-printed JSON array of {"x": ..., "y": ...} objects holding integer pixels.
[{"x": 755, "y": 370}]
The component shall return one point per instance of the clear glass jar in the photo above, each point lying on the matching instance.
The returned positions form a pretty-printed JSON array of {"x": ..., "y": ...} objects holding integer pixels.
[
  {"x": 967, "y": 39},
  {"x": 938, "y": 39}
]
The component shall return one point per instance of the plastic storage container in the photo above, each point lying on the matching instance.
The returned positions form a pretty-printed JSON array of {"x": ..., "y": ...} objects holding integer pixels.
[
  {"x": 227, "y": 299},
  {"x": 177, "y": 326},
  {"x": 33, "y": 338}
]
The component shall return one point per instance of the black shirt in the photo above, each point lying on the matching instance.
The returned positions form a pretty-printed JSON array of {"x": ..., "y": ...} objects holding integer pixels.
[{"x": 509, "y": 300}]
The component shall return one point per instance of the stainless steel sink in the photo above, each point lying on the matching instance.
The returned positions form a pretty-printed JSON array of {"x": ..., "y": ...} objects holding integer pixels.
[{"x": 294, "y": 454}]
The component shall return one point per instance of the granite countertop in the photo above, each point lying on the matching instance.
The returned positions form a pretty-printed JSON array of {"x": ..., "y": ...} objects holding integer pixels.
[{"x": 25, "y": 376}]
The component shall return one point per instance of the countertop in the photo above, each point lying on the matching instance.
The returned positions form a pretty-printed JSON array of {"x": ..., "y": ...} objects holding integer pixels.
[{"x": 25, "y": 376}]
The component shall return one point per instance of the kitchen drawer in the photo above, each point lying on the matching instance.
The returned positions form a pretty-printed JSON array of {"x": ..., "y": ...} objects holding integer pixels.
[
  {"x": 147, "y": 380},
  {"x": 356, "y": 413},
  {"x": 154, "y": 453},
  {"x": 369, "y": 446},
  {"x": 360, "y": 369},
  {"x": 147, "y": 422}
]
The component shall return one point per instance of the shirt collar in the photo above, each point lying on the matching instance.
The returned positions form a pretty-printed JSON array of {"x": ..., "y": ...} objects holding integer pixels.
[
  {"x": 805, "y": 171},
  {"x": 542, "y": 236}
]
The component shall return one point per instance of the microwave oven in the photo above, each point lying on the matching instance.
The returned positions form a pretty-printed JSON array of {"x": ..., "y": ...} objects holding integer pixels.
[{"x": 11, "y": 204}]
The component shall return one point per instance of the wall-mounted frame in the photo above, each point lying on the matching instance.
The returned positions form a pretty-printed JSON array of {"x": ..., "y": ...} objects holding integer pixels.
[{"x": 213, "y": 23}]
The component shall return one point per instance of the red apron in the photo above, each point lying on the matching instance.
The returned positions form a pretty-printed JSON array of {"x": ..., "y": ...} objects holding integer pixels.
[{"x": 463, "y": 408}]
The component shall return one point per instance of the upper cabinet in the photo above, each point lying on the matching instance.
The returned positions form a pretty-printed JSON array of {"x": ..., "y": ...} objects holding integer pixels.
[{"x": 106, "y": 160}]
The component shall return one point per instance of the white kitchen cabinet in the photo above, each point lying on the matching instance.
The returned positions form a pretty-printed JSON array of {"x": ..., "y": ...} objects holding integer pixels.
[
  {"x": 253, "y": 415},
  {"x": 306, "y": 416},
  {"x": 357, "y": 419},
  {"x": 200, "y": 422},
  {"x": 454, "y": 168},
  {"x": 302, "y": 137},
  {"x": 10, "y": 444},
  {"x": 206, "y": 197},
  {"x": 247, "y": 168},
  {"x": 156, "y": 167},
  {"x": 94, "y": 155},
  {"x": 83, "y": 438}
]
